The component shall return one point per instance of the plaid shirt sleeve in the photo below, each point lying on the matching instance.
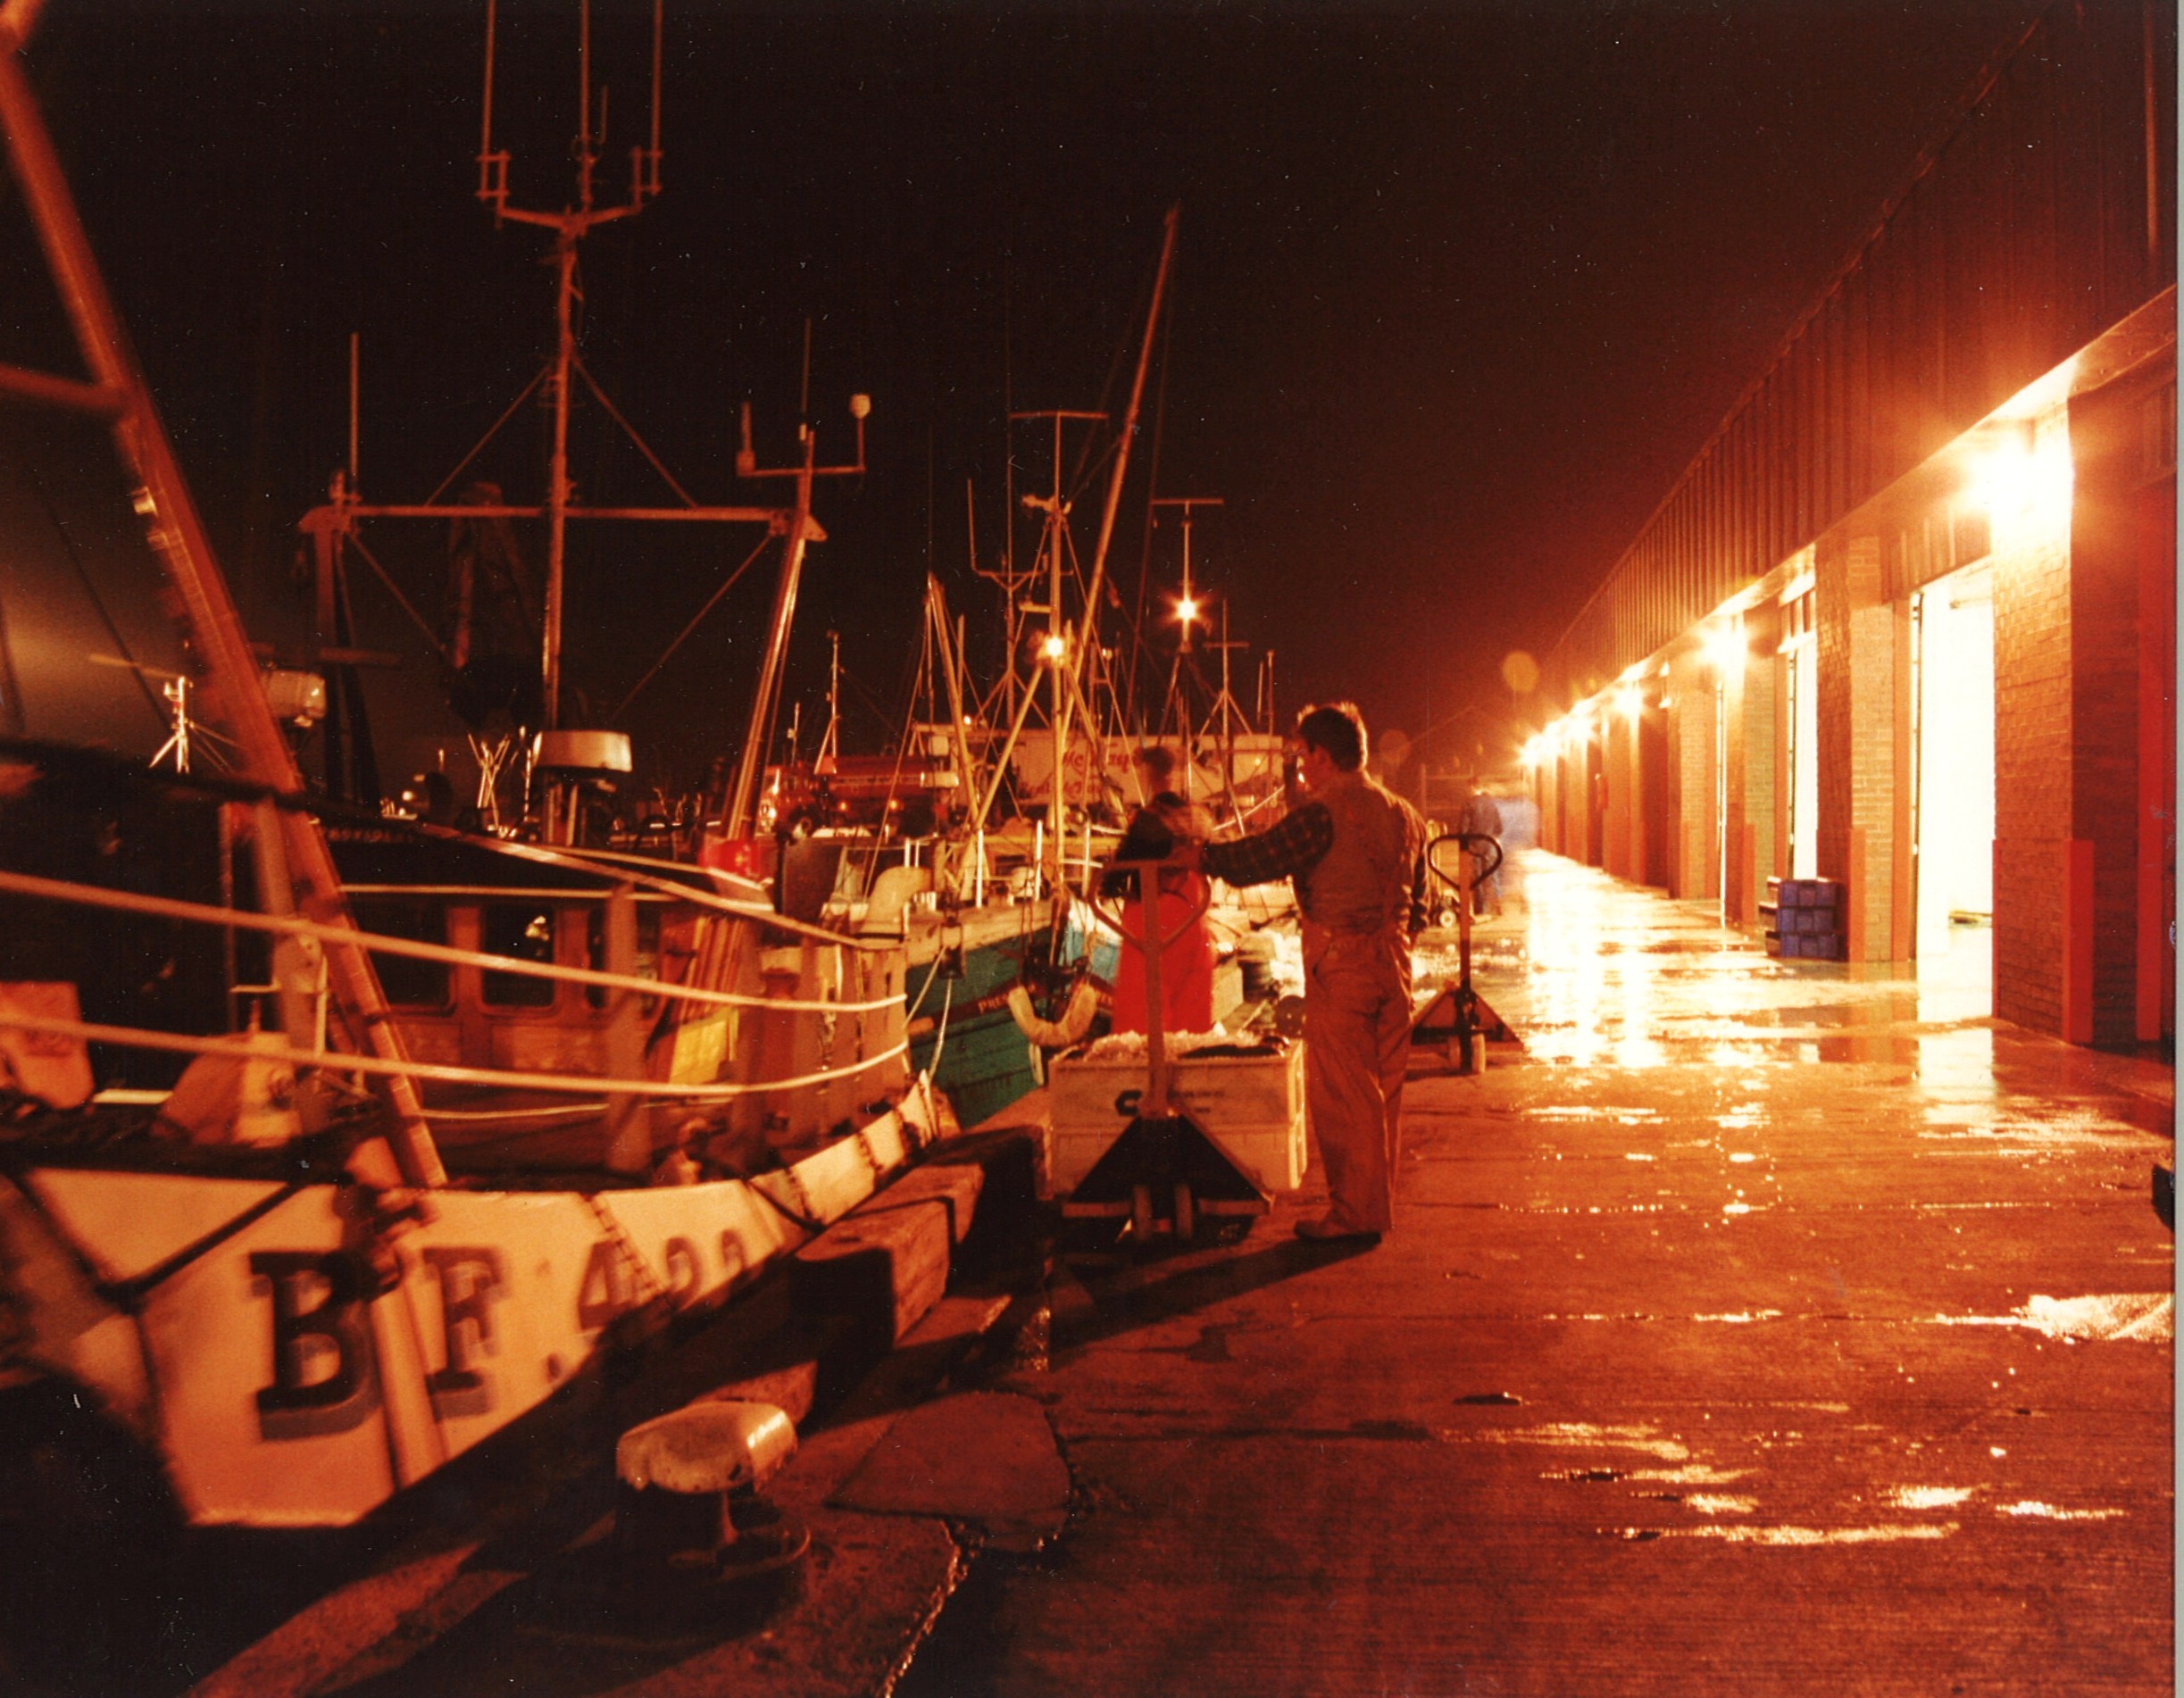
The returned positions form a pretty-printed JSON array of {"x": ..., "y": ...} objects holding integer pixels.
[{"x": 1296, "y": 842}]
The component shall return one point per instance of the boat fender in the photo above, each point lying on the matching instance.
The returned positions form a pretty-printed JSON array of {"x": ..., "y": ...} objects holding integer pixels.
[{"x": 1056, "y": 1035}]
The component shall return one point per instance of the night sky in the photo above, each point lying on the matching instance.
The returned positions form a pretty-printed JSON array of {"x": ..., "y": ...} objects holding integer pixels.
[{"x": 1459, "y": 292}]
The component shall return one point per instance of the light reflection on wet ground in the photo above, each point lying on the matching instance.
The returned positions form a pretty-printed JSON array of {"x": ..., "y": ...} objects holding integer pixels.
[
  {"x": 1649, "y": 1025},
  {"x": 1588, "y": 977},
  {"x": 1741, "y": 1263}
]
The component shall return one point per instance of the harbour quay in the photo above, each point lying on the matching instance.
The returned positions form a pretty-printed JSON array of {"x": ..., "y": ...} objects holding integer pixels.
[{"x": 1760, "y": 1326}]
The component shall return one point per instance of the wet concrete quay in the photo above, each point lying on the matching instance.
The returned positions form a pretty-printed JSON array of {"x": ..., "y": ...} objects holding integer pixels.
[{"x": 1766, "y": 1328}]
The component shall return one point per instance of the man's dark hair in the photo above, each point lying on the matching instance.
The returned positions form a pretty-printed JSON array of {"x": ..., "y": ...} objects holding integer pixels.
[
  {"x": 1158, "y": 761},
  {"x": 1337, "y": 730}
]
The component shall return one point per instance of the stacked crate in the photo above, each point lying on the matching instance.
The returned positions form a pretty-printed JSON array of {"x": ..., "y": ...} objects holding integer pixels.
[{"x": 1803, "y": 919}]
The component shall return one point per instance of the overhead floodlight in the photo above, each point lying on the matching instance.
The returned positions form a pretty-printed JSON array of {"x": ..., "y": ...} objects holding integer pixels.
[{"x": 1724, "y": 644}]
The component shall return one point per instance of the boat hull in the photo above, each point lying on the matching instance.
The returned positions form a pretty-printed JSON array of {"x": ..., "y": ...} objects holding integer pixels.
[
  {"x": 288, "y": 1377},
  {"x": 958, "y": 982}
]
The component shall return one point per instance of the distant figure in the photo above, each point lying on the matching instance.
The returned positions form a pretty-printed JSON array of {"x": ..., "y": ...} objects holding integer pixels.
[
  {"x": 1356, "y": 856},
  {"x": 1186, "y": 964},
  {"x": 1482, "y": 817}
]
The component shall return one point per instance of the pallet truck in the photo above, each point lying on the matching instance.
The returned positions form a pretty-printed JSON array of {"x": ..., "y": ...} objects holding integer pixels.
[
  {"x": 1457, "y": 1015},
  {"x": 1164, "y": 1177}
]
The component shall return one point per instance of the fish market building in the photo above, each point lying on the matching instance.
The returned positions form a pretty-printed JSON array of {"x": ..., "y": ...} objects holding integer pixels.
[{"x": 1907, "y": 624}]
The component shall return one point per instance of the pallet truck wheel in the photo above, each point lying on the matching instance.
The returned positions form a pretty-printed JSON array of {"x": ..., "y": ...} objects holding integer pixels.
[{"x": 1186, "y": 1215}]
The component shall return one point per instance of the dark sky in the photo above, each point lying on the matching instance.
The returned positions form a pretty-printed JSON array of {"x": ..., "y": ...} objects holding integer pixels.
[{"x": 1460, "y": 290}]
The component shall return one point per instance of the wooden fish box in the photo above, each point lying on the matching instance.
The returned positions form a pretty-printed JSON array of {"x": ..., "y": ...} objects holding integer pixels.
[{"x": 1252, "y": 1103}]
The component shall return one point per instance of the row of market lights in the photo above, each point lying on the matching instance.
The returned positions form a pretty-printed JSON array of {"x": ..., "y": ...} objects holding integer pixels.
[
  {"x": 2010, "y": 472},
  {"x": 1722, "y": 646}
]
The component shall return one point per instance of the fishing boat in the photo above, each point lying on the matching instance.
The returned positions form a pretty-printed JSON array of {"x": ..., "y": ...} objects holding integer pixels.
[
  {"x": 334, "y": 1145},
  {"x": 1004, "y": 957}
]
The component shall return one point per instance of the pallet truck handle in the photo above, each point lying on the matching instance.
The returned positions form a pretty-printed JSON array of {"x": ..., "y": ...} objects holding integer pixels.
[
  {"x": 1151, "y": 909},
  {"x": 1475, "y": 844}
]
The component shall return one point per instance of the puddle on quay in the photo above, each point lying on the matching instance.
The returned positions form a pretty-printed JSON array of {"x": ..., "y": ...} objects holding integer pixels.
[
  {"x": 1644, "y": 1439},
  {"x": 1927, "y": 1497},
  {"x": 2033, "y": 1508},
  {"x": 1690, "y": 1473},
  {"x": 1790, "y": 1535},
  {"x": 2065, "y": 1130},
  {"x": 2147, "y": 1317},
  {"x": 1719, "y": 1502},
  {"x": 1734, "y": 1317}
]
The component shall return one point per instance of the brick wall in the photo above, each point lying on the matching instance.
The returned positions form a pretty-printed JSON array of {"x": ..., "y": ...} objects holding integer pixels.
[
  {"x": 2033, "y": 738},
  {"x": 1875, "y": 660},
  {"x": 1832, "y": 676},
  {"x": 1657, "y": 807},
  {"x": 2110, "y": 467},
  {"x": 1857, "y": 629},
  {"x": 1691, "y": 848},
  {"x": 1735, "y": 900}
]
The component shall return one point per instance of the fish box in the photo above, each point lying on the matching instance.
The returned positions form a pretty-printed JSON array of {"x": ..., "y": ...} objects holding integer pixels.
[{"x": 1251, "y": 1101}]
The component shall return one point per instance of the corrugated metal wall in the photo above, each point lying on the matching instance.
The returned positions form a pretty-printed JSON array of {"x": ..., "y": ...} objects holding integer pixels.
[{"x": 2042, "y": 220}]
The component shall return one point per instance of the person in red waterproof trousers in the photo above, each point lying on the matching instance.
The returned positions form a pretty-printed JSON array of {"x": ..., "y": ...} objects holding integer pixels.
[
  {"x": 1186, "y": 964},
  {"x": 1356, "y": 854}
]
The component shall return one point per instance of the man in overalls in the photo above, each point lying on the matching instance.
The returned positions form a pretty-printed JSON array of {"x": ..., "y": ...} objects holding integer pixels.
[{"x": 1356, "y": 852}]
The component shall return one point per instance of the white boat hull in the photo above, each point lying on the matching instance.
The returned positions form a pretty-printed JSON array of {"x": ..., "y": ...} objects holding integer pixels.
[{"x": 282, "y": 1391}]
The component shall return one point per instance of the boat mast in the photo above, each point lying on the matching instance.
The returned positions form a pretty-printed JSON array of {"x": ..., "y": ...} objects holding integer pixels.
[
  {"x": 803, "y": 529},
  {"x": 1054, "y": 548},
  {"x": 569, "y": 226},
  {"x": 1186, "y": 611},
  {"x": 1129, "y": 416},
  {"x": 1088, "y": 643},
  {"x": 332, "y": 526}
]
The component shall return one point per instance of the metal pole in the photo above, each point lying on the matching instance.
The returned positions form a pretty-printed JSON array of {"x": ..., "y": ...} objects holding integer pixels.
[
  {"x": 743, "y": 803},
  {"x": 557, "y": 476},
  {"x": 1129, "y": 417},
  {"x": 1057, "y": 808},
  {"x": 355, "y": 396}
]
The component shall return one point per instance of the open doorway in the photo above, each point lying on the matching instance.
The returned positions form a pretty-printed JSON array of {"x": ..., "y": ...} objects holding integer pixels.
[{"x": 1953, "y": 619}]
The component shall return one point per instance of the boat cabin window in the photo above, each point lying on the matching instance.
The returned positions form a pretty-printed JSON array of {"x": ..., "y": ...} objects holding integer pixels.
[
  {"x": 647, "y": 952},
  {"x": 525, "y": 930},
  {"x": 408, "y": 983}
]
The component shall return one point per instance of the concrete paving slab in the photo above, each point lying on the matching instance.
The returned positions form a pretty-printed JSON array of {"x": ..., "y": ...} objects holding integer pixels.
[{"x": 986, "y": 1458}]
